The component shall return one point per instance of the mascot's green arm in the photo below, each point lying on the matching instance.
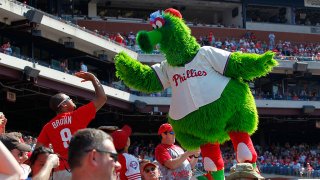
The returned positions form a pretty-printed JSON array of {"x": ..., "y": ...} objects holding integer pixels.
[
  {"x": 136, "y": 75},
  {"x": 248, "y": 66}
]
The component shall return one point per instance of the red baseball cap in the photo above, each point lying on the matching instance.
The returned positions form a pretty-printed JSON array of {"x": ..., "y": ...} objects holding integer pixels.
[
  {"x": 120, "y": 137},
  {"x": 144, "y": 163},
  {"x": 148, "y": 164},
  {"x": 164, "y": 128}
]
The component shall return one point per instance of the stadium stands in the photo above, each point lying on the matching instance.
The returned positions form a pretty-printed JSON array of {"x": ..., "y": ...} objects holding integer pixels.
[{"x": 287, "y": 99}]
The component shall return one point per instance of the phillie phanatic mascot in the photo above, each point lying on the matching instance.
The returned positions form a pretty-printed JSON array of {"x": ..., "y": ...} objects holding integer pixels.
[{"x": 210, "y": 102}]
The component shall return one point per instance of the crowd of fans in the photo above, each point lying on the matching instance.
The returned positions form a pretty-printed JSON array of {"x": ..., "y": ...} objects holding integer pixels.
[
  {"x": 291, "y": 159},
  {"x": 298, "y": 159},
  {"x": 294, "y": 94},
  {"x": 287, "y": 159},
  {"x": 36, "y": 158},
  {"x": 284, "y": 49}
]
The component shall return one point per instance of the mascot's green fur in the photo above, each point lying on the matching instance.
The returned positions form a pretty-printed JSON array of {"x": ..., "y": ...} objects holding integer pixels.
[{"x": 234, "y": 111}]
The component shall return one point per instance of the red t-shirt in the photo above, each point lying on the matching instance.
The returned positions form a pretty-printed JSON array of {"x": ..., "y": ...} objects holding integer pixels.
[
  {"x": 119, "y": 39},
  {"x": 59, "y": 130},
  {"x": 162, "y": 154}
]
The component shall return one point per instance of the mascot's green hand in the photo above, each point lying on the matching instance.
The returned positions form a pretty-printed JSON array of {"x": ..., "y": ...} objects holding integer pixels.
[
  {"x": 135, "y": 74},
  {"x": 250, "y": 66},
  {"x": 267, "y": 62},
  {"x": 264, "y": 64}
]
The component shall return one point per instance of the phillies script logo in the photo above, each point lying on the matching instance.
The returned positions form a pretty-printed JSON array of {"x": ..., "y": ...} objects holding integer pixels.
[
  {"x": 189, "y": 74},
  {"x": 133, "y": 164}
]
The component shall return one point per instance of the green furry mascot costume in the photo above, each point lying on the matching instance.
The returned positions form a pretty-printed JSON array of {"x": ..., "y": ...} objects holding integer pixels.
[{"x": 211, "y": 103}]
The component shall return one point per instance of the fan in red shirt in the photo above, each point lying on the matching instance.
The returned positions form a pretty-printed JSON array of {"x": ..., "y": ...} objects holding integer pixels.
[
  {"x": 59, "y": 130},
  {"x": 119, "y": 39},
  {"x": 174, "y": 163}
]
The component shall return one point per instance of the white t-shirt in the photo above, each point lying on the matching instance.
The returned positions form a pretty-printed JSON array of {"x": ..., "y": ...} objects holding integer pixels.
[
  {"x": 197, "y": 83},
  {"x": 26, "y": 170}
]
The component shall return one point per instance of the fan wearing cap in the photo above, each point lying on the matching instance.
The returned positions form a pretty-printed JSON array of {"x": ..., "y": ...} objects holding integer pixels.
[
  {"x": 18, "y": 150},
  {"x": 174, "y": 163},
  {"x": 130, "y": 169},
  {"x": 59, "y": 130},
  {"x": 149, "y": 170}
]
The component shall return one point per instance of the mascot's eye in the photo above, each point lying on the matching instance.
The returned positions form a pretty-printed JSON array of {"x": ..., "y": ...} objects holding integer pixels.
[
  {"x": 159, "y": 23},
  {"x": 154, "y": 26}
]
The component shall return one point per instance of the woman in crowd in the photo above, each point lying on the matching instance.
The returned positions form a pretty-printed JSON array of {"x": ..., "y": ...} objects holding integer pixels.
[{"x": 42, "y": 162}]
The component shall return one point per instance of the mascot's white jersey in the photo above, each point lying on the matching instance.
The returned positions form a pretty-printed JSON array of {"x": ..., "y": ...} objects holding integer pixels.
[{"x": 197, "y": 83}]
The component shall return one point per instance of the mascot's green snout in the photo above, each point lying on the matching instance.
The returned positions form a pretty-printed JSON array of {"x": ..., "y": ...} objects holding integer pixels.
[
  {"x": 211, "y": 103},
  {"x": 147, "y": 40}
]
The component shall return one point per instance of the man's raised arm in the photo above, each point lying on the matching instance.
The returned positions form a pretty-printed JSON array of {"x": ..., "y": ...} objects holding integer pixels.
[{"x": 101, "y": 97}]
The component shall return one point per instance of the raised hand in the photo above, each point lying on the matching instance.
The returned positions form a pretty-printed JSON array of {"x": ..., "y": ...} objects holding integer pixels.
[
  {"x": 86, "y": 76},
  {"x": 266, "y": 62},
  {"x": 54, "y": 159}
]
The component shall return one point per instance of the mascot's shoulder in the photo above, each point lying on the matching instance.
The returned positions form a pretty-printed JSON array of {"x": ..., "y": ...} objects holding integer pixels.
[
  {"x": 208, "y": 48},
  {"x": 213, "y": 50}
]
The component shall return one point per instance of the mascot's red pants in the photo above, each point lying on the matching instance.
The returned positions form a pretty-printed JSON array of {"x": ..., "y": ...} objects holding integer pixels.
[{"x": 245, "y": 152}]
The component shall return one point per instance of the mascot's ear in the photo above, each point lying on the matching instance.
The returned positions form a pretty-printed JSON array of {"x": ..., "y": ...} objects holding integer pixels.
[{"x": 173, "y": 12}]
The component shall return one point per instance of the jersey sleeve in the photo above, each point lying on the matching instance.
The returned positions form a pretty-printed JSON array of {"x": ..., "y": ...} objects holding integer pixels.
[
  {"x": 133, "y": 168},
  {"x": 123, "y": 168},
  {"x": 161, "y": 71},
  {"x": 85, "y": 114},
  {"x": 218, "y": 58},
  {"x": 162, "y": 154},
  {"x": 43, "y": 137}
]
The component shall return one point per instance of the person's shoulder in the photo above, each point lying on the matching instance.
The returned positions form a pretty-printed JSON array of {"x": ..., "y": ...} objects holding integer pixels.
[
  {"x": 88, "y": 105},
  {"x": 209, "y": 49},
  {"x": 48, "y": 124},
  {"x": 165, "y": 146},
  {"x": 205, "y": 48},
  {"x": 175, "y": 146},
  {"x": 160, "y": 146},
  {"x": 121, "y": 157},
  {"x": 129, "y": 157},
  {"x": 164, "y": 63}
]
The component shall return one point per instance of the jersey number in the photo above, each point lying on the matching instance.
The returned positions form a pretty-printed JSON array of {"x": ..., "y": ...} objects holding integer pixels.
[{"x": 65, "y": 137}]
